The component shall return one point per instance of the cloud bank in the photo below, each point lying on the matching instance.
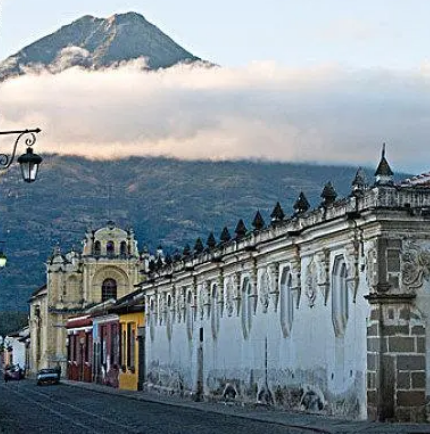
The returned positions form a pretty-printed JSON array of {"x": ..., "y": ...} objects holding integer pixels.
[{"x": 325, "y": 115}]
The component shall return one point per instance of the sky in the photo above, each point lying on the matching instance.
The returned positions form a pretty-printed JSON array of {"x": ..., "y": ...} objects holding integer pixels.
[{"x": 309, "y": 80}]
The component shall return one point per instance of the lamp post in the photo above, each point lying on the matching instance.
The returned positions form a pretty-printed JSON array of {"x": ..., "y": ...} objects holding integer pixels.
[{"x": 29, "y": 162}]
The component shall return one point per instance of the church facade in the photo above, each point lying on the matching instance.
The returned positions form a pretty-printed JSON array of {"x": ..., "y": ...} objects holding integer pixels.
[
  {"x": 326, "y": 311},
  {"x": 107, "y": 268}
]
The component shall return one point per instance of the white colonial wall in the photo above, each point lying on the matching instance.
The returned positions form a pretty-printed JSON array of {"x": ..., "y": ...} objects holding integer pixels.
[{"x": 271, "y": 330}]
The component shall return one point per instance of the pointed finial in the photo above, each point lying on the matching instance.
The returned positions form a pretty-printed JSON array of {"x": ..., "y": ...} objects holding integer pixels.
[
  {"x": 187, "y": 250},
  {"x": 277, "y": 213},
  {"x": 359, "y": 184},
  {"x": 176, "y": 255},
  {"x": 225, "y": 235},
  {"x": 240, "y": 230},
  {"x": 211, "y": 242},
  {"x": 151, "y": 266},
  {"x": 302, "y": 204},
  {"x": 383, "y": 173},
  {"x": 168, "y": 259},
  {"x": 159, "y": 264},
  {"x": 258, "y": 222},
  {"x": 198, "y": 246},
  {"x": 328, "y": 194}
]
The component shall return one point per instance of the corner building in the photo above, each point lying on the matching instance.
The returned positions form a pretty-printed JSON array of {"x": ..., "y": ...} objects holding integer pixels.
[
  {"x": 107, "y": 268},
  {"x": 326, "y": 311}
]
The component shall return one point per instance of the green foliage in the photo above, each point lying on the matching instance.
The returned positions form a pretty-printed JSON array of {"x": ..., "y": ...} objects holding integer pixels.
[
  {"x": 166, "y": 201},
  {"x": 12, "y": 321}
]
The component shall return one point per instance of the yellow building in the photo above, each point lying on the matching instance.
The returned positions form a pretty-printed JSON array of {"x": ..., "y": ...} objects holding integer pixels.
[
  {"x": 106, "y": 268},
  {"x": 132, "y": 338}
]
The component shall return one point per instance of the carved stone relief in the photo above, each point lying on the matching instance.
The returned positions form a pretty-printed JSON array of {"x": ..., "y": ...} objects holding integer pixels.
[
  {"x": 254, "y": 292},
  {"x": 273, "y": 275},
  {"x": 296, "y": 269},
  {"x": 237, "y": 292},
  {"x": 264, "y": 291},
  {"x": 220, "y": 299},
  {"x": 371, "y": 267},
  {"x": 229, "y": 297},
  {"x": 352, "y": 264},
  {"x": 323, "y": 259},
  {"x": 311, "y": 282},
  {"x": 415, "y": 265},
  {"x": 207, "y": 298}
]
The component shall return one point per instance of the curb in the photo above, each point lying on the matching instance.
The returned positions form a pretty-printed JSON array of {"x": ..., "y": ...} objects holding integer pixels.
[{"x": 316, "y": 427}]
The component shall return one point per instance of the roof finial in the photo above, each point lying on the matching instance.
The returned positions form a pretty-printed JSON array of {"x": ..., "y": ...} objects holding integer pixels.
[{"x": 383, "y": 173}]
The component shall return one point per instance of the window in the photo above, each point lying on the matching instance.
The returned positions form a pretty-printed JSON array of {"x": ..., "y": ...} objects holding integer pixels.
[
  {"x": 97, "y": 248},
  {"x": 286, "y": 302},
  {"x": 109, "y": 289},
  {"x": 246, "y": 307},
  {"x": 123, "y": 248},
  {"x": 110, "y": 248},
  {"x": 340, "y": 297}
]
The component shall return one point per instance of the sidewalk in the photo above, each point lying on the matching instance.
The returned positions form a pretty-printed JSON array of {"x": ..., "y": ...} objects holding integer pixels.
[{"x": 311, "y": 422}]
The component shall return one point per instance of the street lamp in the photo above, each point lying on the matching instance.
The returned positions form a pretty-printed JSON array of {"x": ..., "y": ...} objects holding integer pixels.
[{"x": 29, "y": 162}]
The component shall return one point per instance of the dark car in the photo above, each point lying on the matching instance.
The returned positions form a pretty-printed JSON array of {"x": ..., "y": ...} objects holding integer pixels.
[
  {"x": 48, "y": 376},
  {"x": 12, "y": 372}
]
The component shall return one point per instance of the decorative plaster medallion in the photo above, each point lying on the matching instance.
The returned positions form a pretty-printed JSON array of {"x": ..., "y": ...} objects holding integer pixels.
[
  {"x": 311, "y": 282},
  {"x": 370, "y": 266},
  {"x": 229, "y": 298},
  {"x": 264, "y": 291},
  {"x": 415, "y": 265}
]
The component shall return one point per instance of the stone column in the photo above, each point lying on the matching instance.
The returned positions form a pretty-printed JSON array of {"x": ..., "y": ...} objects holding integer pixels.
[{"x": 396, "y": 359}]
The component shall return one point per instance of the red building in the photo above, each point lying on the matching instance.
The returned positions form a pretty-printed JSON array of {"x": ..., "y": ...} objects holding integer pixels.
[{"x": 80, "y": 348}]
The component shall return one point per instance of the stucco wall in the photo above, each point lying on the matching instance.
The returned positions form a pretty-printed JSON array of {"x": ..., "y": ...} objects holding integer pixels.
[{"x": 246, "y": 352}]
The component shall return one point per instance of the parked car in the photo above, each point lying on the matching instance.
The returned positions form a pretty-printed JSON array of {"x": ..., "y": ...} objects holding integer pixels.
[
  {"x": 48, "y": 376},
  {"x": 12, "y": 372}
]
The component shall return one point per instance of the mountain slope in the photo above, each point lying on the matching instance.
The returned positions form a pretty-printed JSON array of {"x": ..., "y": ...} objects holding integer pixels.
[
  {"x": 97, "y": 42},
  {"x": 166, "y": 201}
]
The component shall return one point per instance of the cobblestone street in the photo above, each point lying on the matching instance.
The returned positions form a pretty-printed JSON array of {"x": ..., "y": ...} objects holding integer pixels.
[{"x": 70, "y": 407}]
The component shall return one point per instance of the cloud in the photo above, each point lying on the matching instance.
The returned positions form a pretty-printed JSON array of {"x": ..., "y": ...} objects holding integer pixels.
[{"x": 325, "y": 115}]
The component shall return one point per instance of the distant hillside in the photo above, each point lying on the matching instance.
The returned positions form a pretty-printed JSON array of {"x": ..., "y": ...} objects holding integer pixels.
[
  {"x": 96, "y": 42},
  {"x": 166, "y": 201}
]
